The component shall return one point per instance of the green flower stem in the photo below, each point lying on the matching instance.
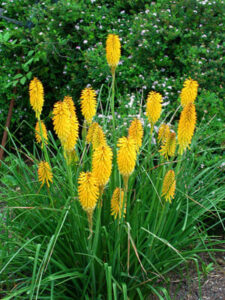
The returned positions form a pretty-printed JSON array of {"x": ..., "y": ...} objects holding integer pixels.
[
  {"x": 71, "y": 185},
  {"x": 166, "y": 206},
  {"x": 43, "y": 143},
  {"x": 116, "y": 252},
  {"x": 177, "y": 170},
  {"x": 93, "y": 242},
  {"x": 148, "y": 161},
  {"x": 91, "y": 263},
  {"x": 126, "y": 180},
  {"x": 84, "y": 131},
  {"x": 112, "y": 103},
  {"x": 153, "y": 201},
  {"x": 162, "y": 219},
  {"x": 69, "y": 172},
  {"x": 50, "y": 196},
  {"x": 97, "y": 228},
  {"x": 171, "y": 120},
  {"x": 46, "y": 156}
]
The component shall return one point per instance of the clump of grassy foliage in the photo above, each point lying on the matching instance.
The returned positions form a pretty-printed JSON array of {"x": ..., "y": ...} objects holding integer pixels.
[{"x": 47, "y": 251}]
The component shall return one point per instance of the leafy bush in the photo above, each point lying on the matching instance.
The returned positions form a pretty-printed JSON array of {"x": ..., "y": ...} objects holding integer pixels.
[
  {"x": 212, "y": 140},
  {"x": 163, "y": 43}
]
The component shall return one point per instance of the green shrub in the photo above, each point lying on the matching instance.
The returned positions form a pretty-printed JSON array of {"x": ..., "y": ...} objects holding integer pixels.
[
  {"x": 210, "y": 111},
  {"x": 163, "y": 42}
]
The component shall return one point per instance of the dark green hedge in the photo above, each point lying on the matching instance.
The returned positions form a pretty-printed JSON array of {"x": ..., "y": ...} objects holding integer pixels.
[{"x": 63, "y": 44}]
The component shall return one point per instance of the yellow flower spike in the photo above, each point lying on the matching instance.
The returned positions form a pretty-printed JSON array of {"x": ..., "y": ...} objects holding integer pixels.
[
  {"x": 126, "y": 156},
  {"x": 88, "y": 104},
  {"x": 71, "y": 140},
  {"x": 186, "y": 127},
  {"x": 136, "y": 133},
  {"x": 36, "y": 92},
  {"x": 189, "y": 92},
  {"x": 164, "y": 130},
  {"x": 98, "y": 138},
  {"x": 169, "y": 145},
  {"x": 117, "y": 203},
  {"x": 102, "y": 164},
  {"x": 91, "y": 130},
  {"x": 169, "y": 186},
  {"x": 38, "y": 133},
  {"x": 113, "y": 51},
  {"x": 96, "y": 135},
  {"x": 88, "y": 193},
  {"x": 44, "y": 173},
  {"x": 88, "y": 190},
  {"x": 69, "y": 101},
  {"x": 154, "y": 107},
  {"x": 61, "y": 120}
]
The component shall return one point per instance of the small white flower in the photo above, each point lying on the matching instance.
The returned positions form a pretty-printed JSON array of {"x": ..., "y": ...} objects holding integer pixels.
[
  {"x": 165, "y": 103},
  {"x": 130, "y": 104}
]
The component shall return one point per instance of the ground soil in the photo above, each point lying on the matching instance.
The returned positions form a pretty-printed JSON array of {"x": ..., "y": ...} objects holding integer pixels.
[{"x": 184, "y": 285}]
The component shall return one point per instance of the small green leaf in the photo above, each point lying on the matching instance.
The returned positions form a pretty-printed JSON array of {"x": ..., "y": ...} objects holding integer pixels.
[
  {"x": 29, "y": 61},
  {"x": 30, "y": 52},
  {"x": 23, "y": 80},
  {"x": 6, "y": 36},
  {"x": 9, "y": 84},
  {"x": 15, "y": 83},
  {"x": 17, "y": 76},
  {"x": 29, "y": 75},
  {"x": 25, "y": 67}
]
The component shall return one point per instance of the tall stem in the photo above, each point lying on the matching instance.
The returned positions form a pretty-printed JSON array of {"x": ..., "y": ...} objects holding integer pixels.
[
  {"x": 174, "y": 114},
  {"x": 45, "y": 155},
  {"x": 69, "y": 172},
  {"x": 112, "y": 106},
  {"x": 126, "y": 205},
  {"x": 154, "y": 199},
  {"x": 43, "y": 143},
  {"x": 90, "y": 251},
  {"x": 177, "y": 170},
  {"x": 148, "y": 156},
  {"x": 114, "y": 124}
]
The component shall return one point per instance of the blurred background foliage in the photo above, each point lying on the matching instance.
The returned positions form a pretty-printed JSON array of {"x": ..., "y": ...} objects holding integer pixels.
[{"x": 163, "y": 42}]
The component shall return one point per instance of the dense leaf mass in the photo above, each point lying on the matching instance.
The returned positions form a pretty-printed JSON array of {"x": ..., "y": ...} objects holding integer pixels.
[{"x": 163, "y": 43}]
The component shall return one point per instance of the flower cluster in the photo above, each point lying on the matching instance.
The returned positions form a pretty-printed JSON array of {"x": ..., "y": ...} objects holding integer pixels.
[
  {"x": 154, "y": 107},
  {"x": 92, "y": 183},
  {"x": 113, "y": 51}
]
